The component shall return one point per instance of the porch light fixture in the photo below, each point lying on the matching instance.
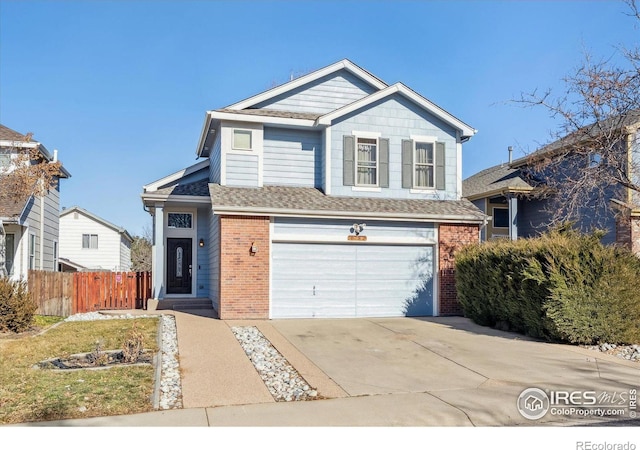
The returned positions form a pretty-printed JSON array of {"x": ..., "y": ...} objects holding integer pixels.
[
  {"x": 201, "y": 243},
  {"x": 254, "y": 248}
]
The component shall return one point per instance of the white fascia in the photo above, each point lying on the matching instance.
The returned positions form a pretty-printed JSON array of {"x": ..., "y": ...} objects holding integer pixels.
[
  {"x": 203, "y": 134},
  {"x": 465, "y": 130},
  {"x": 344, "y": 64}
]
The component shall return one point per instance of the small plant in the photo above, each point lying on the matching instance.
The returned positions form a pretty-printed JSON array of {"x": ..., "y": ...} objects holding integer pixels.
[
  {"x": 16, "y": 306},
  {"x": 133, "y": 345},
  {"x": 98, "y": 357}
]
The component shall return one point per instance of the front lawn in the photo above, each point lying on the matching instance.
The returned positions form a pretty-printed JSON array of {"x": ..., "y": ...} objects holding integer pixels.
[{"x": 28, "y": 395}]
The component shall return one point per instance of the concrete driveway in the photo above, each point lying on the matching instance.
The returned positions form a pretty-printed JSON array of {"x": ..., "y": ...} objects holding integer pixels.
[{"x": 440, "y": 371}]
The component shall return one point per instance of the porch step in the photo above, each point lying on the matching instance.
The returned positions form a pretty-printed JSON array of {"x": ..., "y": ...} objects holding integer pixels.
[{"x": 185, "y": 304}]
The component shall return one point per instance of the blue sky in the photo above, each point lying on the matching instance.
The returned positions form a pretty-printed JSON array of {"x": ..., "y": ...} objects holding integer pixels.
[{"x": 120, "y": 88}]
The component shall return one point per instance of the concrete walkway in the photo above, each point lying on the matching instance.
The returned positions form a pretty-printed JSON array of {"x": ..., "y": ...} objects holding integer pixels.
[{"x": 375, "y": 372}]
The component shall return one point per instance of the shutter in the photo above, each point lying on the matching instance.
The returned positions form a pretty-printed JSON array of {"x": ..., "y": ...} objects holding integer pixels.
[
  {"x": 348, "y": 161},
  {"x": 440, "y": 165},
  {"x": 407, "y": 164},
  {"x": 383, "y": 163}
]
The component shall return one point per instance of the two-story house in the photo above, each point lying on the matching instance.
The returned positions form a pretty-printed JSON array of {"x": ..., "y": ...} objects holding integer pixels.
[
  {"x": 332, "y": 195},
  {"x": 522, "y": 198},
  {"x": 90, "y": 243},
  {"x": 29, "y": 225}
]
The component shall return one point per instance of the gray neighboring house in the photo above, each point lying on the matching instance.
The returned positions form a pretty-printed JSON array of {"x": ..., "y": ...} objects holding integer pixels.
[
  {"x": 507, "y": 192},
  {"x": 29, "y": 226},
  {"x": 333, "y": 195}
]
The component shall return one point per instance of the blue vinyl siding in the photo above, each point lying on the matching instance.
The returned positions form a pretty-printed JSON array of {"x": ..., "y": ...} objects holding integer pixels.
[
  {"x": 292, "y": 157},
  {"x": 396, "y": 119},
  {"x": 323, "y": 95},
  {"x": 242, "y": 170},
  {"x": 214, "y": 161},
  {"x": 202, "y": 253}
]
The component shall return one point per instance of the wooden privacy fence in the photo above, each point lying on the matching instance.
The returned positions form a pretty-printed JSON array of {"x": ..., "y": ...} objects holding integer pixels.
[{"x": 65, "y": 294}]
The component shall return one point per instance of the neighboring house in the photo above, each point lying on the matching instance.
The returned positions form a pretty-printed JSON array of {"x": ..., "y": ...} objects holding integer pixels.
[
  {"x": 90, "y": 243},
  {"x": 333, "y": 195},
  {"x": 509, "y": 193},
  {"x": 29, "y": 223}
]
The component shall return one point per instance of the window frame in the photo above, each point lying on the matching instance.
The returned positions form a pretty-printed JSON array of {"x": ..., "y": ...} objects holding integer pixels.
[
  {"x": 8, "y": 262},
  {"x": 90, "y": 241},
  {"x": 431, "y": 142},
  {"x": 181, "y": 213},
  {"x": 233, "y": 139},
  {"x": 357, "y": 161},
  {"x": 493, "y": 218},
  {"x": 32, "y": 251}
]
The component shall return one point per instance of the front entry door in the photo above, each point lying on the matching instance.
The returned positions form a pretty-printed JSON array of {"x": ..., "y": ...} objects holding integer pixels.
[{"x": 179, "y": 266}]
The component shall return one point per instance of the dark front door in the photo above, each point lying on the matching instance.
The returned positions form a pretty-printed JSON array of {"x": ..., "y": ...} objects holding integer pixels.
[{"x": 179, "y": 266}]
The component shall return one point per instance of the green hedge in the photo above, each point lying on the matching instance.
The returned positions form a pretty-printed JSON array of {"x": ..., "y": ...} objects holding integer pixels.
[{"x": 563, "y": 286}]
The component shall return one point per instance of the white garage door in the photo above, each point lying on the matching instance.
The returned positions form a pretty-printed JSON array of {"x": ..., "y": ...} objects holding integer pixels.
[{"x": 320, "y": 280}]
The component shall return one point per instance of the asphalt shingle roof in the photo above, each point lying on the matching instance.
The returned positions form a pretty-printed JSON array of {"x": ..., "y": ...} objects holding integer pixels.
[
  {"x": 493, "y": 179},
  {"x": 273, "y": 113},
  {"x": 10, "y": 206},
  {"x": 274, "y": 198},
  {"x": 7, "y": 134},
  {"x": 197, "y": 188}
]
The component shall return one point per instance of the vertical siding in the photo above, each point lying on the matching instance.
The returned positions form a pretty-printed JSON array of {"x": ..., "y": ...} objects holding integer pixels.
[
  {"x": 214, "y": 259},
  {"x": 396, "y": 119},
  {"x": 323, "y": 95},
  {"x": 242, "y": 170},
  {"x": 202, "y": 258},
  {"x": 292, "y": 157}
]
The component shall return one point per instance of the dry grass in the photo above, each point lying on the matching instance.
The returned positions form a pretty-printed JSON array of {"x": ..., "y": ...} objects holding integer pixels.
[{"x": 28, "y": 395}]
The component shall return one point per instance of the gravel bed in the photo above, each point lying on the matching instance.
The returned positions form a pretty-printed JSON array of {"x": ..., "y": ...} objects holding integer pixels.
[
  {"x": 628, "y": 352},
  {"x": 284, "y": 383},
  {"x": 170, "y": 381}
]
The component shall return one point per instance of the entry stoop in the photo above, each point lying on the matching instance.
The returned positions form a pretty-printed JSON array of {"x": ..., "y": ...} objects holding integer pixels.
[{"x": 181, "y": 304}]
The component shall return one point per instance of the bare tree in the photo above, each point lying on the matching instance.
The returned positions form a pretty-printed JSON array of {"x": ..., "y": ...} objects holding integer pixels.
[
  {"x": 141, "y": 251},
  {"x": 26, "y": 173},
  {"x": 599, "y": 114}
]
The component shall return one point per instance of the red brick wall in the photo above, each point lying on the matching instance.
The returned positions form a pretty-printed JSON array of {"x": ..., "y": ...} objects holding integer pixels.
[
  {"x": 451, "y": 238},
  {"x": 628, "y": 232},
  {"x": 244, "y": 276}
]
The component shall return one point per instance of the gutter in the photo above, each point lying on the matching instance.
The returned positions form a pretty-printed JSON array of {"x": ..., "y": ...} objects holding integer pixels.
[{"x": 405, "y": 217}]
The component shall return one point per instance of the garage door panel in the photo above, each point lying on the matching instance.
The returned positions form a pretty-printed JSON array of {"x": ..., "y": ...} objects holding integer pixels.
[{"x": 332, "y": 280}]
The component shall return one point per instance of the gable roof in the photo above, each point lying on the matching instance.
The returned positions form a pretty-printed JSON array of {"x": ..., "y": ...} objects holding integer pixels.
[
  {"x": 466, "y": 130},
  {"x": 176, "y": 176},
  {"x": 301, "y": 201},
  {"x": 100, "y": 220},
  {"x": 496, "y": 180},
  {"x": 308, "y": 78},
  {"x": 7, "y": 134},
  {"x": 245, "y": 111}
]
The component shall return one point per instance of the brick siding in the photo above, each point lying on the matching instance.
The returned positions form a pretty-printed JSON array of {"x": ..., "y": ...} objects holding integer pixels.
[
  {"x": 628, "y": 232},
  {"x": 244, "y": 276},
  {"x": 451, "y": 238}
]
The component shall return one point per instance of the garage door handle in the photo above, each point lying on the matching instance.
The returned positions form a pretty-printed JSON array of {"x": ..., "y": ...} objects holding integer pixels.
[{"x": 314, "y": 290}]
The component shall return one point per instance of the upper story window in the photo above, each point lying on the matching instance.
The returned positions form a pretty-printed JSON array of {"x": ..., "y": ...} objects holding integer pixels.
[
  {"x": 242, "y": 140},
  {"x": 423, "y": 165},
  {"x": 5, "y": 159},
  {"x": 179, "y": 220},
  {"x": 367, "y": 162},
  {"x": 89, "y": 241}
]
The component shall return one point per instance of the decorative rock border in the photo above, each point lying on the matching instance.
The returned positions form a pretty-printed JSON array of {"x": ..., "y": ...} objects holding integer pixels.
[
  {"x": 284, "y": 383},
  {"x": 168, "y": 386}
]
